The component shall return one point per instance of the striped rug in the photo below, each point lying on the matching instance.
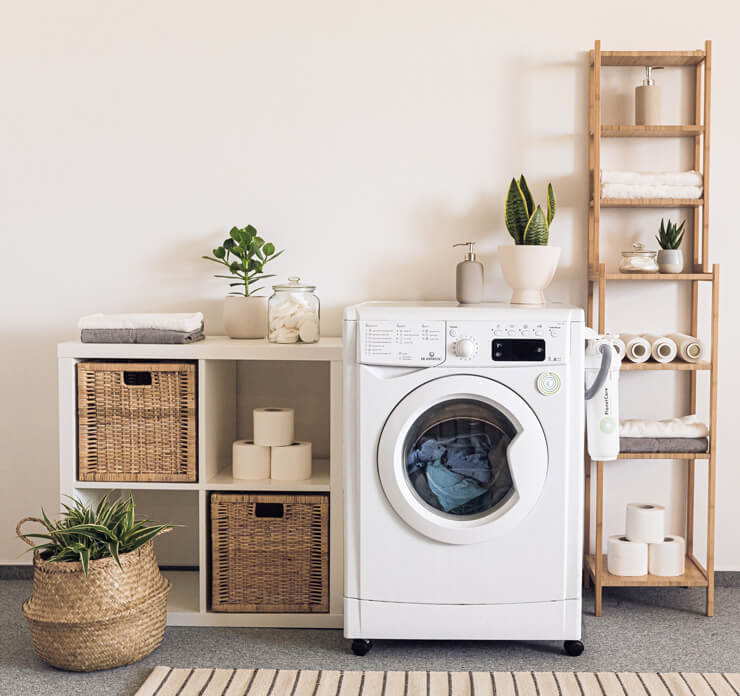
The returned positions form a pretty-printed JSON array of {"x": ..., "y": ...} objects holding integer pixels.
[{"x": 164, "y": 681}]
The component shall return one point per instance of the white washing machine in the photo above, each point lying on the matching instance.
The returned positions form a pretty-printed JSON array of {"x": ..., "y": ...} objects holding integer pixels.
[{"x": 463, "y": 472}]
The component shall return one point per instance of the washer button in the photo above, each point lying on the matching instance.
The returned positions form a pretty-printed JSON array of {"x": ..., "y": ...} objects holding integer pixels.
[
  {"x": 554, "y": 331},
  {"x": 453, "y": 332},
  {"x": 525, "y": 332},
  {"x": 548, "y": 383},
  {"x": 511, "y": 332},
  {"x": 498, "y": 332},
  {"x": 539, "y": 332}
]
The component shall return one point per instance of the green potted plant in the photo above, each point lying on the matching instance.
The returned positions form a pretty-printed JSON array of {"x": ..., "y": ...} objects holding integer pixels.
[
  {"x": 529, "y": 265},
  {"x": 244, "y": 254},
  {"x": 98, "y": 599},
  {"x": 670, "y": 256}
]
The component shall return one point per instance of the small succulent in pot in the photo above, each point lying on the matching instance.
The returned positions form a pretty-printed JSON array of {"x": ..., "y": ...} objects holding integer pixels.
[
  {"x": 670, "y": 257},
  {"x": 244, "y": 254},
  {"x": 529, "y": 265}
]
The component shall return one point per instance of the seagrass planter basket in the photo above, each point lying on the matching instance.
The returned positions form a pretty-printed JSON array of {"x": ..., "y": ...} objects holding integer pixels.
[
  {"x": 137, "y": 421},
  {"x": 269, "y": 553},
  {"x": 113, "y": 617}
]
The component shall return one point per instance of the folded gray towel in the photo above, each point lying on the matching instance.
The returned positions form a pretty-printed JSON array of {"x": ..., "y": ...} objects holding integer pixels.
[
  {"x": 140, "y": 336},
  {"x": 663, "y": 444}
]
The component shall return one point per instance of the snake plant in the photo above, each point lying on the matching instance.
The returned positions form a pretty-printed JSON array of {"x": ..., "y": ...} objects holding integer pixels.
[
  {"x": 527, "y": 224},
  {"x": 85, "y": 533},
  {"x": 669, "y": 235}
]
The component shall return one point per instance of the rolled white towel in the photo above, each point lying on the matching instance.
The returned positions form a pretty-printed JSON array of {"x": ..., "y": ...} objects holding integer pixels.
[
  {"x": 649, "y": 191},
  {"x": 690, "y": 349},
  {"x": 662, "y": 348},
  {"x": 636, "y": 348},
  {"x": 686, "y": 426},
  {"x": 165, "y": 322},
  {"x": 691, "y": 178}
]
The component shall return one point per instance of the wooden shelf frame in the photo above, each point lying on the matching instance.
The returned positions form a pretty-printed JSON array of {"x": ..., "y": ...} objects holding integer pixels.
[{"x": 700, "y": 62}]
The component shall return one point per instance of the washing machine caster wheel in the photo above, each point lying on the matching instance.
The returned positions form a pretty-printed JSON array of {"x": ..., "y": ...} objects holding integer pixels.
[
  {"x": 361, "y": 647},
  {"x": 573, "y": 647}
]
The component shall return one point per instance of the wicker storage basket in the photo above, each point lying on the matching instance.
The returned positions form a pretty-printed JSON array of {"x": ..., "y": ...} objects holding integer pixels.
[
  {"x": 270, "y": 553},
  {"x": 136, "y": 421},
  {"x": 111, "y": 618}
]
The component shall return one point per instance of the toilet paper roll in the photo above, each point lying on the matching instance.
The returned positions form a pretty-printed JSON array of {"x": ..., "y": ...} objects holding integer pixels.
[
  {"x": 292, "y": 462},
  {"x": 645, "y": 522},
  {"x": 690, "y": 349},
  {"x": 250, "y": 461},
  {"x": 667, "y": 557},
  {"x": 636, "y": 348},
  {"x": 662, "y": 348},
  {"x": 619, "y": 347},
  {"x": 273, "y": 427},
  {"x": 625, "y": 557}
]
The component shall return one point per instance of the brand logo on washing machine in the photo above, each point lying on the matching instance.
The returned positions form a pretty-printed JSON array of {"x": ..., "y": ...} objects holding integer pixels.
[{"x": 432, "y": 356}]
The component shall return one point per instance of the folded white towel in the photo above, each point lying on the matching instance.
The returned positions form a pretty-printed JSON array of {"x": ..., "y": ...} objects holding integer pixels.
[
  {"x": 166, "y": 322},
  {"x": 686, "y": 426},
  {"x": 691, "y": 178},
  {"x": 649, "y": 191}
]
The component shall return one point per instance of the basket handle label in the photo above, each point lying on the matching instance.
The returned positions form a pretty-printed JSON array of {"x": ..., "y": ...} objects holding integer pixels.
[
  {"x": 133, "y": 378},
  {"x": 269, "y": 510}
]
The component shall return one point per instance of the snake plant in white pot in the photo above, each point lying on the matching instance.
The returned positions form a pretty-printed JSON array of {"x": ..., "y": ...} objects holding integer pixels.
[{"x": 529, "y": 265}]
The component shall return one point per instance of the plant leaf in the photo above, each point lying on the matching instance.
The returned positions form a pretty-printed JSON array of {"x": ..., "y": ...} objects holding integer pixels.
[
  {"x": 536, "y": 231},
  {"x": 528, "y": 200},
  {"x": 515, "y": 213},
  {"x": 268, "y": 249},
  {"x": 551, "y": 206}
]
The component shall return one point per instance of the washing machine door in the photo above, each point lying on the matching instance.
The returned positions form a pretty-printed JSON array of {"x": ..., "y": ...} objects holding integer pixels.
[{"x": 462, "y": 459}]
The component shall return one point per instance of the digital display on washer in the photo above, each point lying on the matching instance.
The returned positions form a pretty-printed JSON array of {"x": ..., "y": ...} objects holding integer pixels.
[{"x": 518, "y": 349}]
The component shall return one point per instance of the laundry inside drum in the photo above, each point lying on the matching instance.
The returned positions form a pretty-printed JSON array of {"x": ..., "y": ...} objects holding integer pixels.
[{"x": 456, "y": 457}]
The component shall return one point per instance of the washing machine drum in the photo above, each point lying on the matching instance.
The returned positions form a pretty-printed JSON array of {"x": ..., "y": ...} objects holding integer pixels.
[{"x": 462, "y": 459}]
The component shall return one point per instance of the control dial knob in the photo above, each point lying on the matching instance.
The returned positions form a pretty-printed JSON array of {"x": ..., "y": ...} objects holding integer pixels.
[{"x": 466, "y": 348}]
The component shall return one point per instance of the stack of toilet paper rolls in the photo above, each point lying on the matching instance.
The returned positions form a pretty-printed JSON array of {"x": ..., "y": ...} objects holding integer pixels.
[
  {"x": 640, "y": 348},
  {"x": 645, "y": 547},
  {"x": 273, "y": 453}
]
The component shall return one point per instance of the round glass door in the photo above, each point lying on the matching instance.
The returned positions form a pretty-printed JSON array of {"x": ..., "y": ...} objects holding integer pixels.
[
  {"x": 462, "y": 459},
  {"x": 456, "y": 457}
]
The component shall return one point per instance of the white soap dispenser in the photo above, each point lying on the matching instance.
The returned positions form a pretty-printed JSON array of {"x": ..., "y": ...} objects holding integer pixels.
[
  {"x": 647, "y": 99},
  {"x": 469, "y": 287}
]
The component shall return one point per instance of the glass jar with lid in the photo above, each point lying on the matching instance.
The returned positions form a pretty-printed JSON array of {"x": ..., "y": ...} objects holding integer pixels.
[
  {"x": 639, "y": 260},
  {"x": 293, "y": 313}
]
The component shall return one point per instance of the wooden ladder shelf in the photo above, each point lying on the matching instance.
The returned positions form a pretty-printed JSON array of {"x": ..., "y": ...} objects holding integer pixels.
[{"x": 700, "y": 62}]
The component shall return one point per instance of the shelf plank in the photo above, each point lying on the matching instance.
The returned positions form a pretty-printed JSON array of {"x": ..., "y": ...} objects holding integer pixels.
[
  {"x": 651, "y": 202},
  {"x": 675, "y": 365},
  {"x": 693, "y": 577},
  {"x": 642, "y": 58},
  {"x": 319, "y": 481},
  {"x": 212, "y": 348},
  {"x": 630, "y": 131},
  {"x": 136, "y": 485},
  {"x": 594, "y": 276},
  {"x": 663, "y": 455}
]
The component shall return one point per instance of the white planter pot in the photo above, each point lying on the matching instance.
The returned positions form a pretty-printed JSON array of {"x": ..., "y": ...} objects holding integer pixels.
[
  {"x": 670, "y": 260},
  {"x": 245, "y": 317},
  {"x": 528, "y": 270}
]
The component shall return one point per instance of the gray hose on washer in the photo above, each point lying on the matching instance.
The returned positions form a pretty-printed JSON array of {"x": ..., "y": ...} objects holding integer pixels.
[{"x": 606, "y": 363}]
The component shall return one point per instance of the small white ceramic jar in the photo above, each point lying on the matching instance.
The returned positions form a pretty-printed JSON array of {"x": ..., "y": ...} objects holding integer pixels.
[
  {"x": 638, "y": 260},
  {"x": 293, "y": 313}
]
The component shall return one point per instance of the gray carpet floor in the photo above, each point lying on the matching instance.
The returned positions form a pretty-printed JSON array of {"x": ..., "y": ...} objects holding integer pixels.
[{"x": 641, "y": 630}]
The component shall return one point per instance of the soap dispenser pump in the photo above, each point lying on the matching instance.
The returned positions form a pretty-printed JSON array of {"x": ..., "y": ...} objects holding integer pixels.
[
  {"x": 647, "y": 99},
  {"x": 469, "y": 277}
]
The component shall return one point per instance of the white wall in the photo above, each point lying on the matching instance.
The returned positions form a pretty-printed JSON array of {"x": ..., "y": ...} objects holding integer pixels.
[{"x": 365, "y": 138}]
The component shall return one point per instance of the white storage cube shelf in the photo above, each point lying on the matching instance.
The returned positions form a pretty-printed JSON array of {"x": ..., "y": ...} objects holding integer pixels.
[{"x": 234, "y": 376}]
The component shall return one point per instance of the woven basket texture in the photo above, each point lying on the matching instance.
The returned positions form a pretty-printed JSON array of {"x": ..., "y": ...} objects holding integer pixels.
[
  {"x": 270, "y": 553},
  {"x": 137, "y": 421},
  {"x": 113, "y": 640}
]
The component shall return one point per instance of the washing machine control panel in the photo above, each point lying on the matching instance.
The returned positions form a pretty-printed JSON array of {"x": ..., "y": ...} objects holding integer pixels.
[
  {"x": 500, "y": 343},
  {"x": 475, "y": 343},
  {"x": 408, "y": 343}
]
